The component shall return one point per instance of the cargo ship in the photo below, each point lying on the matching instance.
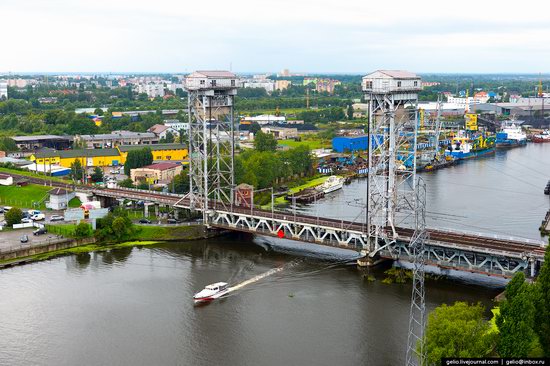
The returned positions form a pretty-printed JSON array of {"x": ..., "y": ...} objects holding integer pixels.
[
  {"x": 465, "y": 147},
  {"x": 511, "y": 135}
]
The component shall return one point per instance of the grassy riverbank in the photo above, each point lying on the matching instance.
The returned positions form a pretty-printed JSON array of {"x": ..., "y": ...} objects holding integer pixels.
[{"x": 310, "y": 183}]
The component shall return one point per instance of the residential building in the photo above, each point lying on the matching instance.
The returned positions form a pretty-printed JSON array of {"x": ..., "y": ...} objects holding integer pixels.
[
  {"x": 3, "y": 89},
  {"x": 161, "y": 152},
  {"x": 322, "y": 85},
  {"x": 6, "y": 179},
  {"x": 176, "y": 125},
  {"x": 282, "y": 84},
  {"x": 117, "y": 138},
  {"x": 281, "y": 133},
  {"x": 160, "y": 130},
  {"x": 151, "y": 89},
  {"x": 268, "y": 85},
  {"x": 59, "y": 198},
  {"x": 161, "y": 173}
]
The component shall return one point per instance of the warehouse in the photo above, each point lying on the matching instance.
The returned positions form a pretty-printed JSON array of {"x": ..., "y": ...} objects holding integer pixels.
[
  {"x": 87, "y": 157},
  {"x": 161, "y": 152},
  {"x": 161, "y": 173},
  {"x": 350, "y": 143}
]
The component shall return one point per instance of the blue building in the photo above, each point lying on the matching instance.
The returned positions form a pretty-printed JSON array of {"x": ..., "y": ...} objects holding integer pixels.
[
  {"x": 354, "y": 143},
  {"x": 350, "y": 143}
]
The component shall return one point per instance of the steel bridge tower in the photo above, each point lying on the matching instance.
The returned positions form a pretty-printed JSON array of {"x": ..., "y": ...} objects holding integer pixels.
[
  {"x": 394, "y": 195},
  {"x": 211, "y": 136}
]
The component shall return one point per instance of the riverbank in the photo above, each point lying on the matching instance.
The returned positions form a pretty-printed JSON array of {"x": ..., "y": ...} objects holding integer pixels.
[{"x": 145, "y": 235}]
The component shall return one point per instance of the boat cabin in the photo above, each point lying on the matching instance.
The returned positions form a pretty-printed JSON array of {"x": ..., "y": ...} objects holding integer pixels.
[{"x": 218, "y": 286}]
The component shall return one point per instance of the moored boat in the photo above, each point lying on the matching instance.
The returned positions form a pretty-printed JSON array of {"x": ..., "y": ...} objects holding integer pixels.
[
  {"x": 333, "y": 183},
  {"x": 511, "y": 135},
  {"x": 462, "y": 148},
  {"x": 541, "y": 137}
]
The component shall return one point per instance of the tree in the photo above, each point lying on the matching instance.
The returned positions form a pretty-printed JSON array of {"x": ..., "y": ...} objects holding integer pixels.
[
  {"x": 350, "y": 111},
  {"x": 126, "y": 183},
  {"x": 516, "y": 319},
  {"x": 265, "y": 142},
  {"x": 542, "y": 288},
  {"x": 168, "y": 139},
  {"x": 7, "y": 144},
  {"x": 76, "y": 170},
  {"x": 13, "y": 216},
  {"x": 97, "y": 175},
  {"x": 116, "y": 226},
  {"x": 180, "y": 183},
  {"x": 137, "y": 159},
  {"x": 457, "y": 331},
  {"x": 98, "y": 112},
  {"x": 254, "y": 127},
  {"x": 83, "y": 230}
]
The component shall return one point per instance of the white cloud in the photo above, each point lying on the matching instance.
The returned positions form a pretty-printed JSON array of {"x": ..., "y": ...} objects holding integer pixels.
[{"x": 268, "y": 35}]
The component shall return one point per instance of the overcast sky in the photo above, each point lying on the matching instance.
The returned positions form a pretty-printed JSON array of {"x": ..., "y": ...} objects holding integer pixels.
[{"x": 343, "y": 36}]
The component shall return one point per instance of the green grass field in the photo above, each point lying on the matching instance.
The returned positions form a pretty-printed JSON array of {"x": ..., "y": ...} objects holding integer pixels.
[
  {"x": 312, "y": 144},
  {"x": 23, "y": 197}
]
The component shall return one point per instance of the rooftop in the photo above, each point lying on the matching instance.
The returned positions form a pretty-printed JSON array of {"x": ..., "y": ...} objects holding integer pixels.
[
  {"x": 64, "y": 154},
  {"x": 398, "y": 74},
  {"x": 156, "y": 129},
  {"x": 4, "y": 176},
  {"x": 118, "y": 135},
  {"x": 212, "y": 74},
  {"x": 161, "y": 166},
  {"x": 58, "y": 192},
  {"x": 153, "y": 147},
  {"x": 40, "y": 137}
]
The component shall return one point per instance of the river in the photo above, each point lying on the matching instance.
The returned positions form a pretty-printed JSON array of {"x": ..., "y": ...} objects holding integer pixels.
[{"x": 133, "y": 306}]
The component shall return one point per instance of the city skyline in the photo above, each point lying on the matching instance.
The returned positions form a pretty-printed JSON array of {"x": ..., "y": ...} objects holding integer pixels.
[{"x": 314, "y": 37}]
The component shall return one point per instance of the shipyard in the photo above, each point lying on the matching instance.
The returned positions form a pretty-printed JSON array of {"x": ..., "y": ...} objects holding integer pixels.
[{"x": 274, "y": 183}]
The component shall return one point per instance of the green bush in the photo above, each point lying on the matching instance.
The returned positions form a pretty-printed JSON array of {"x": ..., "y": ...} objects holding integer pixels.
[
  {"x": 13, "y": 216},
  {"x": 83, "y": 230}
]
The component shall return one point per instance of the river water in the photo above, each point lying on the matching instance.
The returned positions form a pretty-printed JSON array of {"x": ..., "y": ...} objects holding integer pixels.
[{"x": 133, "y": 306}]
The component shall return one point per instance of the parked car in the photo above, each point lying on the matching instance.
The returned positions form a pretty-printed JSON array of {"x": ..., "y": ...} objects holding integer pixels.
[
  {"x": 26, "y": 220},
  {"x": 144, "y": 221},
  {"x": 7, "y": 208},
  {"x": 57, "y": 218},
  {"x": 24, "y": 239},
  {"x": 38, "y": 217},
  {"x": 1, "y": 210},
  {"x": 34, "y": 212},
  {"x": 40, "y": 231},
  {"x": 26, "y": 215},
  {"x": 172, "y": 221}
]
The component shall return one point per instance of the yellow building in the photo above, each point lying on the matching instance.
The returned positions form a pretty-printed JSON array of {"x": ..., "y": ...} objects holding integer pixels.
[
  {"x": 161, "y": 152},
  {"x": 107, "y": 157},
  {"x": 87, "y": 157}
]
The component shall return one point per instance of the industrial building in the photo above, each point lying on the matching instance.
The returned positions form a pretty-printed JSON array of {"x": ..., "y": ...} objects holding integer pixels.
[
  {"x": 33, "y": 143},
  {"x": 59, "y": 198},
  {"x": 161, "y": 152},
  {"x": 87, "y": 157},
  {"x": 281, "y": 133},
  {"x": 116, "y": 138},
  {"x": 161, "y": 173},
  {"x": 264, "y": 119},
  {"x": 350, "y": 143}
]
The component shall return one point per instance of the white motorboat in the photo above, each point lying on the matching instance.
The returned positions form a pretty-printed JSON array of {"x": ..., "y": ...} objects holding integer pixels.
[
  {"x": 333, "y": 183},
  {"x": 211, "y": 292}
]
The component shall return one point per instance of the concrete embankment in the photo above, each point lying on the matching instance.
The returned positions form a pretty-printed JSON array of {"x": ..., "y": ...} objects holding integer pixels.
[{"x": 145, "y": 235}]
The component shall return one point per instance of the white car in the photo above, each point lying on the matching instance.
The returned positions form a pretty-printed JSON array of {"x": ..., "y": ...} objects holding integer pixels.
[
  {"x": 26, "y": 221},
  {"x": 38, "y": 217},
  {"x": 57, "y": 218}
]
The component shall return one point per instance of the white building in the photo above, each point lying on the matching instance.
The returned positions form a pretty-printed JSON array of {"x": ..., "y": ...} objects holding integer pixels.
[
  {"x": 268, "y": 85},
  {"x": 176, "y": 125},
  {"x": 3, "y": 89},
  {"x": 385, "y": 81},
  {"x": 59, "y": 199},
  {"x": 152, "y": 90},
  {"x": 265, "y": 119}
]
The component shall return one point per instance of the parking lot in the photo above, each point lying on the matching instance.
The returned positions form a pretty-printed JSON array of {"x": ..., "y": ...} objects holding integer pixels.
[{"x": 11, "y": 239}]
